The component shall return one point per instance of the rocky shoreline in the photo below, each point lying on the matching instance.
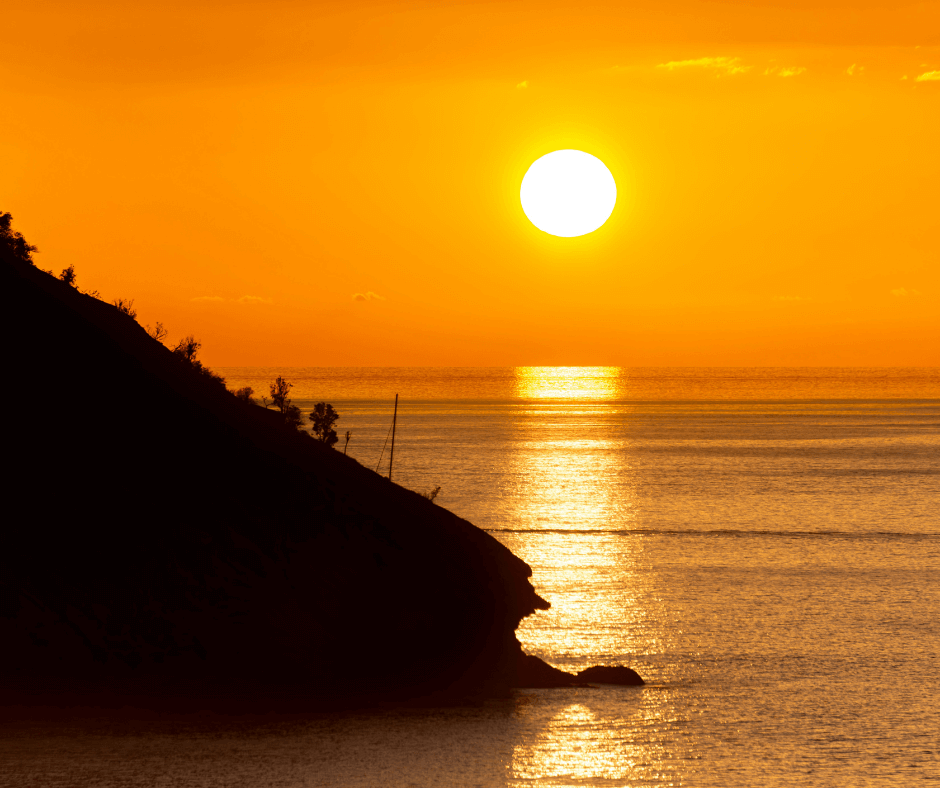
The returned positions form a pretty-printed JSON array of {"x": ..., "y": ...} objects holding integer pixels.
[{"x": 176, "y": 547}]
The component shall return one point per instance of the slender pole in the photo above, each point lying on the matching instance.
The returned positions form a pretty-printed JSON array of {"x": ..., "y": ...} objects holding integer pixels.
[{"x": 391, "y": 457}]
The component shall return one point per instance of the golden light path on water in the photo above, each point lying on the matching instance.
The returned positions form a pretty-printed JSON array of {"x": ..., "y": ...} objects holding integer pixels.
[
  {"x": 574, "y": 488},
  {"x": 567, "y": 382},
  {"x": 581, "y": 746}
]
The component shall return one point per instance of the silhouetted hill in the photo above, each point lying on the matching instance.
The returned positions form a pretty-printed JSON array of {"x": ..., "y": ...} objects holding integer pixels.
[{"x": 165, "y": 543}]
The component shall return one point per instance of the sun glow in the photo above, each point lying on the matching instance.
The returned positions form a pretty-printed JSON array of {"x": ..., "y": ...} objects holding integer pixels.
[
  {"x": 568, "y": 193},
  {"x": 568, "y": 382}
]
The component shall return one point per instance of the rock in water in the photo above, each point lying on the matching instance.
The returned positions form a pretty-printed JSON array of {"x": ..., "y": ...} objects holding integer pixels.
[
  {"x": 611, "y": 674},
  {"x": 532, "y": 672}
]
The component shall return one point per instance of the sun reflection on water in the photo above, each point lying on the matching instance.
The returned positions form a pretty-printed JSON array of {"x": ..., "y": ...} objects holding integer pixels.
[
  {"x": 574, "y": 746},
  {"x": 572, "y": 497},
  {"x": 568, "y": 382},
  {"x": 605, "y": 607},
  {"x": 565, "y": 472},
  {"x": 602, "y": 737},
  {"x": 571, "y": 491}
]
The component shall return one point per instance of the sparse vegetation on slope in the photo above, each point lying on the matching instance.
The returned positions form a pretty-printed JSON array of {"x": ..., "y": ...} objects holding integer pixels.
[
  {"x": 195, "y": 551},
  {"x": 12, "y": 242}
]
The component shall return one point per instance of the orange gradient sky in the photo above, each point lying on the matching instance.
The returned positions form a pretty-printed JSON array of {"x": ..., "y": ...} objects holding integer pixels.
[{"x": 243, "y": 169}]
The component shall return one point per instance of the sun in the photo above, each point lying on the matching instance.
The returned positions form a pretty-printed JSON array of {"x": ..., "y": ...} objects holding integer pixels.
[{"x": 568, "y": 193}]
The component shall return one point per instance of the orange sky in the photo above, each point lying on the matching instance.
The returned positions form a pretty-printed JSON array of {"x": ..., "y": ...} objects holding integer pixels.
[{"x": 242, "y": 169}]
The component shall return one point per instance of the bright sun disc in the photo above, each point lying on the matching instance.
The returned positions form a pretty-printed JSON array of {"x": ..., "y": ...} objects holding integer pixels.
[{"x": 568, "y": 193}]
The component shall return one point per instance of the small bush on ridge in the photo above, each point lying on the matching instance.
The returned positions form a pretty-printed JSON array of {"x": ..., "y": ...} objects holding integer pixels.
[
  {"x": 431, "y": 494},
  {"x": 280, "y": 388},
  {"x": 69, "y": 276},
  {"x": 186, "y": 350},
  {"x": 13, "y": 242},
  {"x": 158, "y": 332},
  {"x": 245, "y": 394},
  {"x": 126, "y": 306},
  {"x": 324, "y": 417}
]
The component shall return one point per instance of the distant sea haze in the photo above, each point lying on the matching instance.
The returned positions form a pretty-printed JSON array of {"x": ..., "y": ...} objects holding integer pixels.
[
  {"x": 761, "y": 545},
  {"x": 605, "y": 383}
]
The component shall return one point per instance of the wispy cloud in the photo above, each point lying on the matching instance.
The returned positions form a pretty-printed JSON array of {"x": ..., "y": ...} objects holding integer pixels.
[
  {"x": 902, "y": 292},
  {"x": 368, "y": 296},
  {"x": 208, "y": 299},
  {"x": 523, "y": 84},
  {"x": 790, "y": 298},
  {"x": 722, "y": 65},
  {"x": 855, "y": 69},
  {"x": 784, "y": 71},
  {"x": 246, "y": 299},
  {"x": 929, "y": 76}
]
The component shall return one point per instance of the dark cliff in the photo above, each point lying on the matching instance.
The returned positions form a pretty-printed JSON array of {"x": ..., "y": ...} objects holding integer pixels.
[{"x": 165, "y": 543}]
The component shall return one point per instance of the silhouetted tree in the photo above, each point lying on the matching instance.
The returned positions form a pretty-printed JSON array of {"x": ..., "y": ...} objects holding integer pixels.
[
  {"x": 158, "y": 332},
  {"x": 69, "y": 276},
  {"x": 324, "y": 417},
  {"x": 245, "y": 394},
  {"x": 431, "y": 494},
  {"x": 125, "y": 305},
  {"x": 187, "y": 348},
  {"x": 280, "y": 388},
  {"x": 346, "y": 445},
  {"x": 13, "y": 243}
]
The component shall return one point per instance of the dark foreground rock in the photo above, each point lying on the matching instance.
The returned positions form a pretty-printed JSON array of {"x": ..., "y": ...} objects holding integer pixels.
[
  {"x": 167, "y": 545},
  {"x": 534, "y": 673},
  {"x": 611, "y": 674}
]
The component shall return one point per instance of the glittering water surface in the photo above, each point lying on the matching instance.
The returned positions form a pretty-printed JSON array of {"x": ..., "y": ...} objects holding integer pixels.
[{"x": 763, "y": 546}]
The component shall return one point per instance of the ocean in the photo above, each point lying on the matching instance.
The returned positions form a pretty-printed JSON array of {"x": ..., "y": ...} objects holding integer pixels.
[{"x": 761, "y": 545}]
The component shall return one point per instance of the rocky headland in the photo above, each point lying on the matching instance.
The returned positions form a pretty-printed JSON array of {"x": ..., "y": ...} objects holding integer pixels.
[{"x": 166, "y": 544}]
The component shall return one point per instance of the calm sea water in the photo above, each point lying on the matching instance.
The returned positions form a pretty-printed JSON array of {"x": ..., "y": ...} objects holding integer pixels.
[{"x": 763, "y": 546}]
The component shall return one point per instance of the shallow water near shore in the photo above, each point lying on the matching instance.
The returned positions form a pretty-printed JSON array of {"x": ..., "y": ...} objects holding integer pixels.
[{"x": 763, "y": 546}]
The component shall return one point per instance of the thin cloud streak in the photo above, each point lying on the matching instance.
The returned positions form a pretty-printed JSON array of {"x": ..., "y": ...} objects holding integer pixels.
[
  {"x": 726, "y": 65},
  {"x": 784, "y": 71}
]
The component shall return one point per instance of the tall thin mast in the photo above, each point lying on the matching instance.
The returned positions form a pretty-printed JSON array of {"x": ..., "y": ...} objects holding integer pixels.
[{"x": 391, "y": 457}]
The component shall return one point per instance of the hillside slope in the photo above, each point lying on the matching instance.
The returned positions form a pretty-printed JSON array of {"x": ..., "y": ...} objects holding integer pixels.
[{"x": 165, "y": 543}]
